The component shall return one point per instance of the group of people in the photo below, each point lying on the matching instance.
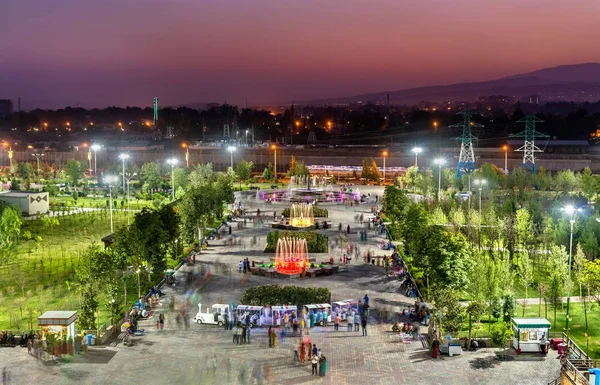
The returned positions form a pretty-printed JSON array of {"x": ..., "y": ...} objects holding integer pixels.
[
  {"x": 241, "y": 334},
  {"x": 244, "y": 266}
]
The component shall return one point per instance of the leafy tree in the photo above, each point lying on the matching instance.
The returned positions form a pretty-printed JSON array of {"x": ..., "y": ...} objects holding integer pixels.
[
  {"x": 525, "y": 275},
  {"x": 292, "y": 166},
  {"x": 500, "y": 334},
  {"x": 557, "y": 265},
  {"x": 565, "y": 180},
  {"x": 244, "y": 169},
  {"x": 150, "y": 176},
  {"x": 268, "y": 172},
  {"x": 453, "y": 312},
  {"x": 74, "y": 170},
  {"x": 301, "y": 169},
  {"x": 589, "y": 183},
  {"x": 508, "y": 308},
  {"x": 10, "y": 229},
  {"x": 578, "y": 266},
  {"x": 95, "y": 268},
  {"x": 542, "y": 179},
  {"x": 411, "y": 177},
  {"x": 492, "y": 175},
  {"x": 202, "y": 174},
  {"x": 24, "y": 170},
  {"x": 181, "y": 175},
  {"x": 591, "y": 277},
  {"x": 475, "y": 311}
]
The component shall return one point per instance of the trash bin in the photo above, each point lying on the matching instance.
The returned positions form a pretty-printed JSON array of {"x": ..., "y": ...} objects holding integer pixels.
[
  {"x": 91, "y": 339},
  {"x": 561, "y": 348}
]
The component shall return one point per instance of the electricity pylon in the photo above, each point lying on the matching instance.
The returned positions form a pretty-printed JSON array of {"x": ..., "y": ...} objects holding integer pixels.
[
  {"x": 466, "y": 159},
  {"x": 529, "y": 148}
]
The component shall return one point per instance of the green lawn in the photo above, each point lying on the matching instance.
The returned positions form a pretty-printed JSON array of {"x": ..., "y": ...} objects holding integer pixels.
[
  {"x": 98, "y": 202},
  {"x": 577, "y": 324},
  {"x": 41, "y": 276}
]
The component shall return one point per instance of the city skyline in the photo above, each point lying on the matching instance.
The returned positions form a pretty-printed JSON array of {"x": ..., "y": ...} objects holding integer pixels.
[{"x": 95, "y": 54}]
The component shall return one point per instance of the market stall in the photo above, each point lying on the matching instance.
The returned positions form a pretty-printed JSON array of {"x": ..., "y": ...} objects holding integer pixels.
[
  {"x": 317, "y": 309},
  {"x": 279, "y": 312},
  {"x": 257, "y": 317},
  {"x": 60, "y": 322},
  {"x": 530, "y": 334}
]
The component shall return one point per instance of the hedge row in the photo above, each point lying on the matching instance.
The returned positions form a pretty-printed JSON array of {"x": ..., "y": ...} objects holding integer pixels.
[
  {"x": 316, "y": 242},
  {"x": 317, "y": 212},
  {"x": 273, "y": 295}
]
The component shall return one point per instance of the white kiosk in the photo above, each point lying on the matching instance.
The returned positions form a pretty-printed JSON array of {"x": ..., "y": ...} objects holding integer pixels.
[{"x": 528, "y": 332}]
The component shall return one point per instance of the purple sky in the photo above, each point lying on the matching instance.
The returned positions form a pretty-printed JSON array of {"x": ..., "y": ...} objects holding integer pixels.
[{"x": 124, "y": 52}]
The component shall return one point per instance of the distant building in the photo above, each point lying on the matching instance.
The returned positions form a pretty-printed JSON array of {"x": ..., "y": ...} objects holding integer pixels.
[{"x": 6, "y": 107}]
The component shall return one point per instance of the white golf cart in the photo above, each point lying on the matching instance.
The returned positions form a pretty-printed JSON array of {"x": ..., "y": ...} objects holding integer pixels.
[{"x": 212, "y": 316}]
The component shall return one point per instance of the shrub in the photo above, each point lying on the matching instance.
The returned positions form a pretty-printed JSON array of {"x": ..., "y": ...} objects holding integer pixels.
[
  {"x": 316, "y": 242},
  {"x": 285, "y": 295}
]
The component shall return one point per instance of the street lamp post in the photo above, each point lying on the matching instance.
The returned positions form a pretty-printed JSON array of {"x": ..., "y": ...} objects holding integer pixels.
[
  {"x": 139, "y": 289},
  {"x": 505, "y": 148},
  {"x": 110, "y": 180},
  {"x": 231, "y": 149},
  {"x": 37, "y": 157},
  {"x": 480, "y": 183},
  {"x": 571, "y": 211},
  {"x": 440, "y": 162},
  {"x": 173, "y": 163},
  {"x": 124, "y": 157},
  {"x": 385, "y": 154},
  {"x": 417, "y": 151},
  {"x": 187, "y": 155},
  {"x": 274, "y": 147},
  {"x": 128, "y": 178},
  {"x": 95, "y": 148}
]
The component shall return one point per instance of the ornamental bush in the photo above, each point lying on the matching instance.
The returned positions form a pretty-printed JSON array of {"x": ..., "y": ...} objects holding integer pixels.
[
  {"x": 316, "y": 242},
  {"x": 272, "y": 295}
]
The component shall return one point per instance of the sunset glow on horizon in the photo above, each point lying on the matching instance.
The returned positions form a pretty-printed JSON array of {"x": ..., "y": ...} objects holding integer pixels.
[{"x": 98, "y": 53}]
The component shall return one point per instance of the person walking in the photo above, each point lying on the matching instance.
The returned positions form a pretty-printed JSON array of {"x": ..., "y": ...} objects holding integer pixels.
[
  {"x": 270, "y": 336},
  {"x": 226, "y": 322},
  {"x": 302, "y": 349},
  {"x": 348, "y": 230},
  {"x": 336, "y": 322},
  {"x": 356, "y": 321},
  {"x": 351, "y": 321},
  {"x": 315, "y": 362},
  {"x": 315, "y": 351},
  {"x": 161, "y": 320},
  {"x": 364, "y": 326}
]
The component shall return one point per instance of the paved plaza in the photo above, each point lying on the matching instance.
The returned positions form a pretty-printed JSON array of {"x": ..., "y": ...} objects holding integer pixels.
[{"x": 205, "y": 354}]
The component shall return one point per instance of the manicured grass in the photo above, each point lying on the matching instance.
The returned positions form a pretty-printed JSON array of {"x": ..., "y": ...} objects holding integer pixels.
[
  {"x": 41, "y": 276},
  {"x": 577, "y": 324},
  {"x": 98, "y": 202}
]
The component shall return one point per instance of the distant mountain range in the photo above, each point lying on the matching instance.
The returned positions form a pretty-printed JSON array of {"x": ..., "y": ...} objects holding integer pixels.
[{"x": 578, "y": 82}]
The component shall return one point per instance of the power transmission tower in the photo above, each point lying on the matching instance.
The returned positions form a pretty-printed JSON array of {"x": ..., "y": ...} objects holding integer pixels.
[
  {"x": 226, "y": 133},
  {"x": 466, "y": 159},
  {"x": 529, "y": 148},
  {"x": 155, "y": 110},
  {"x": 312, "y": 138}
]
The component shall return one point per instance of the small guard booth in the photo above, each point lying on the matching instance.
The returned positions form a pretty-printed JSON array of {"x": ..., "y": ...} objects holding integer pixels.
[
  {"x": 528, "y": 334},
  {"x": 60, "y": 322}
]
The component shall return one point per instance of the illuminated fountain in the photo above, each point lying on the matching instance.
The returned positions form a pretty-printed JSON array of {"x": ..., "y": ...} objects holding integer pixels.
[
  {"x": 291, "y": 256},
  {"x": 301, "y": 215}
]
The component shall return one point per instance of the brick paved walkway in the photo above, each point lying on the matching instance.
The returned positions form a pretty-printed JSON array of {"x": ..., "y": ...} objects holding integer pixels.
[{"x": 183, "y": 357}]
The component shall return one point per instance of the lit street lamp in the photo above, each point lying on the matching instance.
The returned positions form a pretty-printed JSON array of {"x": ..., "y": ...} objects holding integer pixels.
[
  {"x": 480, "y": 183},
  {"x": 139, "y": 290},
  {"x": 385, "y": 153},
  {"x": 571, "y": 211},
  {"x": 231, "y": 149},
  {"x": 110, "y": 180},
  {"x": 440, "y": 162},
  {"x": 173, "y": 162},
  {"x": 124, "y": 157},
  {"x": 417, "y": 151},
  {"x": 187, "y": 155},
  {"x": 274, "y": 147},
  {"x": 37, "y": 157},
  {"x": 505, "y": 149},
  {"x": 95, "y": 148}
]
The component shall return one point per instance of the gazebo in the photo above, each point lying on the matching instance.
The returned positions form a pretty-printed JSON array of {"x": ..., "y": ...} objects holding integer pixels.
[{"x": 61, "y": 322}]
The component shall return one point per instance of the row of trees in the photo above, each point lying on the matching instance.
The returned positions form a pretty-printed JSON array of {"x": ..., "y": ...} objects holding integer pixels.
[{"x": 516, "y": 246}]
